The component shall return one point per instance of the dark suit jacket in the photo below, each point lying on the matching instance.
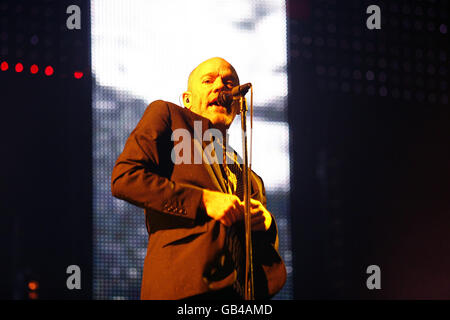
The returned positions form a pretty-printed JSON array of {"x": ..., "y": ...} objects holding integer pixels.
[{"x": 183, "y": 240}]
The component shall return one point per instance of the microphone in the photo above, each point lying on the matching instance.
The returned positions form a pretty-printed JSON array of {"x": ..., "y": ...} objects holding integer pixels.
[{"x": 226, "y": 97}]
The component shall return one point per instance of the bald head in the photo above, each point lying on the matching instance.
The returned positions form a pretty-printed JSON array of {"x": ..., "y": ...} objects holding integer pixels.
[
  {"x": 194, "y": 73},
  {"x": 205, "y": 83}
]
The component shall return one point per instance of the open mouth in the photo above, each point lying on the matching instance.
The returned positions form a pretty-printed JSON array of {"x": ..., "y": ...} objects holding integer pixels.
[
  {"x": 219, "y": 107},
  {"x": 214, "y": 103}
]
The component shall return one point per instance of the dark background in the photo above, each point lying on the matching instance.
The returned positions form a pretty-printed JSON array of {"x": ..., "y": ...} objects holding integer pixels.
[
  {"x": 369, "y": 121},
  {"x": 46, "y": 185}
]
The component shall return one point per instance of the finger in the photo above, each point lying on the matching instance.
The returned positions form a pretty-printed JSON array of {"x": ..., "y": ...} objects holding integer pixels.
[
  {"x": 239, "y": 214},
  {"x": 225, "y": 221},
  {"x": 240, "y": 205},
  {"x": 236, "y": 213},
  {"x": 257, "y": 217},
  {"x": 258, "y": 227},
  {"x": 232, "y": 215},
  {"x": 256, "y": 212},
  {"x": 255, "y": 203},
  {"x": 258, "y": 221},
  {"x": 228, "y": 215},
  {"x": 236, "y": 199}
]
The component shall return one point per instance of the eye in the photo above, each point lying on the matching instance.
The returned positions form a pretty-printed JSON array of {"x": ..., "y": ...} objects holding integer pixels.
[{"x": 207, "y": 81}]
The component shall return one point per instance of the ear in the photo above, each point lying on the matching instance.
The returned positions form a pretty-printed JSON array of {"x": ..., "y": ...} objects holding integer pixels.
[{"x": 187, "y": 99}]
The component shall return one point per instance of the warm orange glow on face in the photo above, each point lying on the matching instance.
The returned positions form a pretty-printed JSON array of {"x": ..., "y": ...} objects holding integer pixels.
[{"x": 205, "y": 83}]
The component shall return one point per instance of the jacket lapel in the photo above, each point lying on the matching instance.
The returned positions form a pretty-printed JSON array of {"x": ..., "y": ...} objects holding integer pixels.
[
  {"x": 209, "y": 162},
  {"x": 211, "y": 166}
]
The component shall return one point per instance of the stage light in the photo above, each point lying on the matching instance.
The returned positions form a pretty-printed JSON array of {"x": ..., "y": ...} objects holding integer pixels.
[
  {"x": 48, "y": 70},
  {"x": 34, "y": 69},
  {"x": 19, "y": 67},
  {"x": 370, "y": 75},
  {"x": 4, "y": 66},
  {"x": 78, "y": 74},
  {"x": 34, "y": 40},
  {"x": 33, "y": 295},
  {"x": 33, "y": 285}
]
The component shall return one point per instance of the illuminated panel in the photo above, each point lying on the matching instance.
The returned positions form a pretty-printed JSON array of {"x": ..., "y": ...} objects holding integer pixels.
[{"x": 143, "y": 51}]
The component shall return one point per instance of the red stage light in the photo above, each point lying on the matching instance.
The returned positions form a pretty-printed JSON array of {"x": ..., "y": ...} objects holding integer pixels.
[
  {"x": 4, "y": 66},
  {"x": 33, "y": 285},
  {"x": 78, "y": 74},
  {"x": 19, "y": 67},
  {"x": 34, "y": 69},
  {"x": 33, "y": 295},
  {"x": 48, "y": 71}
]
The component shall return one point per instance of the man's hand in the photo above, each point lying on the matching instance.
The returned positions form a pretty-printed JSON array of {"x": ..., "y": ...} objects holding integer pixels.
[
  {"x": 226, "y": 208},
  {"x": 260, "y": 217}
]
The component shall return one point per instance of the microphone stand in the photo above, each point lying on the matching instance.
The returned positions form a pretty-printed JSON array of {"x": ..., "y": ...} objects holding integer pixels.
[{"x": 249, "y": 288}]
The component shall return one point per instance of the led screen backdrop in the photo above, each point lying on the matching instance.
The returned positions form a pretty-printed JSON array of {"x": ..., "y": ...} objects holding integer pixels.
[{"x": 143, "y": 51}]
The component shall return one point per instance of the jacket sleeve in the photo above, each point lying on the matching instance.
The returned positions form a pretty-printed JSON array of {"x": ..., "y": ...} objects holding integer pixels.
[
  {"x": 271, "y": 235},
  {"x": 134, "y": 176},
  {"x": 267, "y": 256}
]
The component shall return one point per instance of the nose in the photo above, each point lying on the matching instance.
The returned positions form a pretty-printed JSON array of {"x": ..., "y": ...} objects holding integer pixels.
[{"x": 218, "y": 84}]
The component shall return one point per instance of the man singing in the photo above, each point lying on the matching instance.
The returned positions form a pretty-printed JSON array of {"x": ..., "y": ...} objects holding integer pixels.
[{"x": 194, "y": 209}]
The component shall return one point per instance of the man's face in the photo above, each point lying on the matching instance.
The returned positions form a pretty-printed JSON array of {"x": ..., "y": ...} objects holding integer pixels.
[{"x": 206, "y": 82}]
